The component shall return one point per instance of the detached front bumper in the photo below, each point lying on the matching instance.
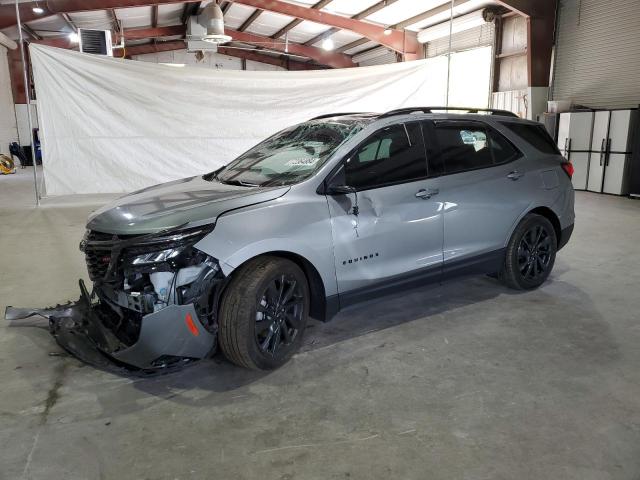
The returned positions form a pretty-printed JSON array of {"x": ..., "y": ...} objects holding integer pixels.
[{"x": 169, "y": 338}]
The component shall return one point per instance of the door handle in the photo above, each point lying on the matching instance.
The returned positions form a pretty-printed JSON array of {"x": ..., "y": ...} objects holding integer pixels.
[
  {"x": 602, "y": 152},
  {"x": 515, "y": 175},
  {"x": 427, "y": 194}
]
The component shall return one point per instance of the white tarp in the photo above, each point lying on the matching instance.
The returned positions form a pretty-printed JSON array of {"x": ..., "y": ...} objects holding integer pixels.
[{"x": 111, "y": 125}]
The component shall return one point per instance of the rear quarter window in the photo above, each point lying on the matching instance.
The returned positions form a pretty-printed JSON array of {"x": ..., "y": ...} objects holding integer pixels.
[{"x": 534, "y": 135}]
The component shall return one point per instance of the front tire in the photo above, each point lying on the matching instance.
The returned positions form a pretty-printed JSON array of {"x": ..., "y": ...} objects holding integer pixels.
[
  {"x": 531, "y": 253},
  {"x": 263, "y": 313}
]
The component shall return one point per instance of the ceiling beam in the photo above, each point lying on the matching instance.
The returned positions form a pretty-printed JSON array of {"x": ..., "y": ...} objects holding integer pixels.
[
  {"x": 403, "y": 42},
  {"x": 225, "y": 7},
  {"x": 69, "y": 22},
  {"x": 31, "y": 32},
  {"x": 331, "y": 59},
  {"x": 358, "y": 16},
  {"x": 428, "y": 14},
  {"x": 154, "y": 16},
  {"x": 294, "y": 23},
  {"x": 526, "y": 8},
  {"x": 114, "y": 20},
  {"x": 256, "y": 56},
  {"x": 252, "y": 18},
  {"x": 156, "y": 47},
  {"x": 141, "y": 33}
]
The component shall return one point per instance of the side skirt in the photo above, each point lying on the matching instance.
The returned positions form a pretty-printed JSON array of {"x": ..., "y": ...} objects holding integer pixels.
[{"x": 485, "y": 263}]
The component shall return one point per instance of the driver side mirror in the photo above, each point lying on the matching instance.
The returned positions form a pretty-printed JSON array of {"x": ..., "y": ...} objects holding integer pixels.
[{"x": 340, "y": 190}]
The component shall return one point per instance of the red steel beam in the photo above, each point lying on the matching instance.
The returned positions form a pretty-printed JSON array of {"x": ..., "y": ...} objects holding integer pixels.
[
  {"x": 232, "y": 52},
  {"x": 403, "y": 42},
  {"x": 141, "y": 33},
  {"x": 331, "y": 59},
  {"x": 258, "y": 57}
]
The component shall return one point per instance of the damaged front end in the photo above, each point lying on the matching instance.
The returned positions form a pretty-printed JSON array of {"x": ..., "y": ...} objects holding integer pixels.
[{"x": 153, "y": 305}]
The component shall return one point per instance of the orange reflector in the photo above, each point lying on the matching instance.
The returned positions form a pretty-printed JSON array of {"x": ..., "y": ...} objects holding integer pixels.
[{"x": 191, "y": 325}]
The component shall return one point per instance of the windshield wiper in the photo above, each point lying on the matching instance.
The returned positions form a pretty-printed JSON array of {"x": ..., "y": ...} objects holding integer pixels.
[{"x": 239, "y": 183}]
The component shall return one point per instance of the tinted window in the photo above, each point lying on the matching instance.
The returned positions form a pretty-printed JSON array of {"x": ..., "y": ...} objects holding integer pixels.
[
  {"x": 535, "y": 135},
  {"x": 392, "y": 155},
  {"x": 462, "y": 147}
]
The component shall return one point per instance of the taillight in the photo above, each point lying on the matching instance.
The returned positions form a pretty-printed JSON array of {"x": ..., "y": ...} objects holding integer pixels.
[{"x": 568, "y": 168}]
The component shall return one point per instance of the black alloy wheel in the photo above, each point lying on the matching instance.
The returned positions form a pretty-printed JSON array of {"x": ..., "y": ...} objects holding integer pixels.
[
  {"x": 263, "y": 313},
  {"x": 534, "y": 252},
  {"x": 530, "y": 254},
  {"x": 279, "y": 314}
]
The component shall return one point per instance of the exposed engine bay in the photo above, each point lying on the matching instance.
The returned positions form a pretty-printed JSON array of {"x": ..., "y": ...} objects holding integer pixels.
[{"x": 153, "y": 305}]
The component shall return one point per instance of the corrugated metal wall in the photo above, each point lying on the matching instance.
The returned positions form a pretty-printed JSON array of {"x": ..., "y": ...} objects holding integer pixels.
[
  {"x": 481, "y": 36},
  {"x": 386, "y": 56},
  {"x": 598, "y": 53},
  {"x": 476, "y": 37}
]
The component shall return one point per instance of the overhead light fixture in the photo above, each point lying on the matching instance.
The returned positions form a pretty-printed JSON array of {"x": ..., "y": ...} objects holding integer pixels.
[
  {"x": 73, "y": 37},
  {"x": 38, "y": 10},
  {"x": 388, "y": 31},
  {"x": 327, "y": 44},
  {"x": 214, "y": 23}
]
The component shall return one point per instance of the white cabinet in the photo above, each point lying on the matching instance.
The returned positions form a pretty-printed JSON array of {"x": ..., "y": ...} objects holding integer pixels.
[
  {"x": 598, "y": 144},
  {"x": 574, "y": 141},
  {"x": 611, "y": 151}
]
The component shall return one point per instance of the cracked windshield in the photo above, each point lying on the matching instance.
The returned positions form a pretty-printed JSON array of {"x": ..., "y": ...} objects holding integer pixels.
[{"x": 291, "y": 155}]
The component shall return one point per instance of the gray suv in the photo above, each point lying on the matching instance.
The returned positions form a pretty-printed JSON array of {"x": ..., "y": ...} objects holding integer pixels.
[{"x": 330, "y": 212}]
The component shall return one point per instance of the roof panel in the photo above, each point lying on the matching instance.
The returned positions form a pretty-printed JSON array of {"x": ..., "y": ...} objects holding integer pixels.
[
  {"x": 349, "y": 8},
  {"x": 343, "y": 37},
  {"x": 269, "y": 23},
  {"x": 96, "y": 20},
  {"x": 134, "y": 17},
  {"x": 49, "y": 26},
  {"x": 306, "y": 31},
  {"x": 402, "y": 10},
  {"x": 170, "y": 14},
  {"x": 237, "y": 14},
  {"x": 467, "y": 7}
]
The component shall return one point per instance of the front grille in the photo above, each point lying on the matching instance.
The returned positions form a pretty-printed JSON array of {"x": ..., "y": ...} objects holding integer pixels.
[{"x": 97, "y": 258}]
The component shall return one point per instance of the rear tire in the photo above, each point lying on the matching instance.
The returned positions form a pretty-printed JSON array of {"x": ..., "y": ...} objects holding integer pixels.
[
  {"x": 531, "y": 253},
  {"x": 263, "y": 313}
]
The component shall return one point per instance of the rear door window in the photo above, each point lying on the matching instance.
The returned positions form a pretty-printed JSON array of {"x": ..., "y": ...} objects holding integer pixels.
[
  {"x": 535, "y": 135},
  {"x": 460, "y": 146}
]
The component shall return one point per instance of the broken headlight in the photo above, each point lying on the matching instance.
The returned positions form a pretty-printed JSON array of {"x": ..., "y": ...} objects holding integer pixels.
[{"x": 156, "y": 257}]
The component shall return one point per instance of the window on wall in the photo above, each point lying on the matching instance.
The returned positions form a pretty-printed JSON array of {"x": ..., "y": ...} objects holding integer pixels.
[
  {"x": 395, "y": 154},
  {"x": 461, "y": 147}
]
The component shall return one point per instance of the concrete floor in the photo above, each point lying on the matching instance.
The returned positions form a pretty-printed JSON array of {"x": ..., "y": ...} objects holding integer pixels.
[{"x": 462, "y": 381}]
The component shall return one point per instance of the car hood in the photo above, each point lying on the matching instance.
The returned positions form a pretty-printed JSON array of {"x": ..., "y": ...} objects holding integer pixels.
[{"x": 193, "y": 201}]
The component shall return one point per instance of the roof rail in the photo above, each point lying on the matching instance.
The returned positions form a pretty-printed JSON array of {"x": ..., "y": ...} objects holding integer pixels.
[
  {"x": 491, "y": 111},
  {"x": 329, "y": 115}
]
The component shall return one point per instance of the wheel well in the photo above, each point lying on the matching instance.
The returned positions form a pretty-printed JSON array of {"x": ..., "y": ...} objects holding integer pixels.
[
  {"x": 318, "y": 300},
  {"x": 552, "y": 217}
]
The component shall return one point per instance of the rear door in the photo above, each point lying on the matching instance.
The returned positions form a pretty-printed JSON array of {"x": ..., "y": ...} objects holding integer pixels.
[
  {"x": 484, "y": 188},
  {"x": 391, "y": 228}
]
